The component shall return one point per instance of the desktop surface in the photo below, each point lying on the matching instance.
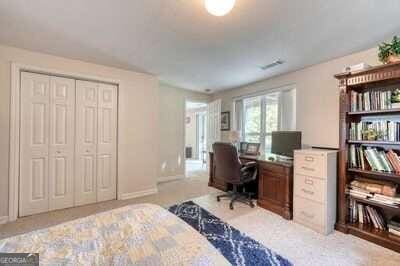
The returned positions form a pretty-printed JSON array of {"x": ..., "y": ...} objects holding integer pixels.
[{"x": 268, "y": 157}]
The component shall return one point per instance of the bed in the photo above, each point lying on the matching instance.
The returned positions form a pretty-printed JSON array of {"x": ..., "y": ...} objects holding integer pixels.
[{"x": 143, "y": 234}]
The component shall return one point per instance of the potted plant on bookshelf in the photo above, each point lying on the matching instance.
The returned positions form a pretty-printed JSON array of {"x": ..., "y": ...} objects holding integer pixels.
[
  {"x": 395, "y": 98},
  {"x": 370, "y": 134},
  {"x": 390, "y": 52}
]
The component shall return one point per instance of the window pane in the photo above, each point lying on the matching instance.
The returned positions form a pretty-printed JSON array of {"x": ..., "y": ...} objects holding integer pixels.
[
  {"x": 252, "y": 112},
  {"x": 255, "y": 138},
  {"x": 271, "y": 112}
]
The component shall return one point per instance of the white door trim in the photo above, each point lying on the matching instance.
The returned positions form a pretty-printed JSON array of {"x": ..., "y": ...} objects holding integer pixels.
[{"x": 16, "y": 68}]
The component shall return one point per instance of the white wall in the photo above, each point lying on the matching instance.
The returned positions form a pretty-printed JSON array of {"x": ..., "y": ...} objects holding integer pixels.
[
  {"x": 138, "y": 118},
  {"x": 172, "y": 128},
  {"x": 317, "y": 97}
]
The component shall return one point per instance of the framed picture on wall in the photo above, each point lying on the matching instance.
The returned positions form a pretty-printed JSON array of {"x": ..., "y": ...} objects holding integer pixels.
[{"x": 226, "y": 121}]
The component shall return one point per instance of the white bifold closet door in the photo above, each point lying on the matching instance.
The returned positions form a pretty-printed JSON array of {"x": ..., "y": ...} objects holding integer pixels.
[
  {"x": 68, "y": 143},
  {"x": 46, "y": 143},
  {"x": 95, "y": 147},
  {"x": 107, "y": 142}
]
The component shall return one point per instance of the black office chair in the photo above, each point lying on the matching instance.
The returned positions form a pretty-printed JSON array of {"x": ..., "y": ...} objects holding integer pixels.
[{"x": 229, "y": 168}]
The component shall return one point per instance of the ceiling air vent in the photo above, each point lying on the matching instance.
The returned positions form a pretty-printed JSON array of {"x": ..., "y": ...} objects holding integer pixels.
[{"x": 273, "y": 64}]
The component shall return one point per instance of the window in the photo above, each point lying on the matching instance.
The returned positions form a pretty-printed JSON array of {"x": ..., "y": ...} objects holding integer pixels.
[
  {"x": 256, "y": 117},
  {"x": 260, "y": 118}
]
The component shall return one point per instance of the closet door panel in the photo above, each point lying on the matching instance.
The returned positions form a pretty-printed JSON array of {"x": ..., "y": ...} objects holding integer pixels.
[
  {"x": 107, "y": 143},
  {"x": 34, "y": 144},
  {"x": 62, "y": 142},
  {"x": 86, "y": 142}
]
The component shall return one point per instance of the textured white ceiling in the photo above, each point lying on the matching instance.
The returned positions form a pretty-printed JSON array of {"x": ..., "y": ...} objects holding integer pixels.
[{"x": 178, "y": 41}]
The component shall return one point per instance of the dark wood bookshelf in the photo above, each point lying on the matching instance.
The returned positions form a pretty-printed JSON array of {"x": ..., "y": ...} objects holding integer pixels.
[
  {"x": 370, "y": 233},
  {"x": 376, "y": 175},
  {"x": 375, "y": 203},
  {"x": 384, "y": 77},
  {"x": 376, "y": 112},
  {"x": 373, "y": 142}
]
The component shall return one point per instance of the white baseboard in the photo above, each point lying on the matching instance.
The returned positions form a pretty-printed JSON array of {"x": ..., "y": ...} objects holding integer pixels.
[
  {"x": 137, "y": 194},
  {"x": 169, "y": 178},
  {"x": 3, "y": 219}
]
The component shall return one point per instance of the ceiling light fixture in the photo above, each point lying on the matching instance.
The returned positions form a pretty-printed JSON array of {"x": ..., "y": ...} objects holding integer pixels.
[{"x": 219, "y": 7}]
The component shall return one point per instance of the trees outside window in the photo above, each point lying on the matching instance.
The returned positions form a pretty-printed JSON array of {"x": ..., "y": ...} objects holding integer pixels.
[{"x": 261, "y": 117}]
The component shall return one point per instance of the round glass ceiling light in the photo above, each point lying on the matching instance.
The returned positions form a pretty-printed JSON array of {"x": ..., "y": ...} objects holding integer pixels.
[{"x": 219, "y": 7}]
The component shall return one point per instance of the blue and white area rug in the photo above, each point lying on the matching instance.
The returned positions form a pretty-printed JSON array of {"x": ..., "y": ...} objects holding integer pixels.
[{"x": 235, "y": 246}]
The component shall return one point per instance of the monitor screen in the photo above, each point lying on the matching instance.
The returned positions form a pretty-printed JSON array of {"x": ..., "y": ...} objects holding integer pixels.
[{"x": 285, "y": 142}]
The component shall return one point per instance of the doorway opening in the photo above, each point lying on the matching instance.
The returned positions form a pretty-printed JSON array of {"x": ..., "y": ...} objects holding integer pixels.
[{"x": 196, "y": 139}]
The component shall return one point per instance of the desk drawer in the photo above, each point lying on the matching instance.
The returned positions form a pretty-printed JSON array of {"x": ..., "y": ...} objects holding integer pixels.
[
  {"x": 308, "y": 213},
  {"x": 309, "y": 165},
  {"x": 272, "y": 168},
  {"x": 310, "y": 188}
]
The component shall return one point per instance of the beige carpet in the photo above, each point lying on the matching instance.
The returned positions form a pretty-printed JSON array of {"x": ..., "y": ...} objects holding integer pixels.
[
  {"x": 295, "y": 242},
  {"x": 168, "y": 194}
]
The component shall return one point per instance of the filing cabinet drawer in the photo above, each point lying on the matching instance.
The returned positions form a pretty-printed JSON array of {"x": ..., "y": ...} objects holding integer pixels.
[
  {"x": 308, "y": 213},
  {"x": 309, "y": 165},
  {"x": 310, "y": 188}
]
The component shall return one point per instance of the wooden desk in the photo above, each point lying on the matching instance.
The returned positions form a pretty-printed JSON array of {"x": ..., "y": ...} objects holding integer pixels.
[{"x": 274, "y": 182}]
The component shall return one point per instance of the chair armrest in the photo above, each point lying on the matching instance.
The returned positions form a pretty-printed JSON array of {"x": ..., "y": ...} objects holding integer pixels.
[{"x": 247, "y": 166}]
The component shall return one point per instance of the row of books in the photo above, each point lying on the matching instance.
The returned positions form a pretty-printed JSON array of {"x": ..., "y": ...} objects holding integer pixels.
[
  {"x": 382, "y": 130},
  {"x": 382, "y": 192},
  {"x": 371, "y": 100},
  {"x": 370, "y": 158},
  {"x": 366, "y": 214},
  {"x": 382, "y": 187},
  {"x": 394, "y": 226}
]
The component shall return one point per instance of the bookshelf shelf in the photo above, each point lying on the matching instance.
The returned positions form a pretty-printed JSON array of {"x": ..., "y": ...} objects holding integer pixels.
[
  {"x": 381, "y": 237},
  {"x": 374, "y": 88},
  {"x": 376, "y": 112},
  {"x": 379, "y": 175},
  {"x": 373, "y": 142},
  {"x": 374, "y": 203}
]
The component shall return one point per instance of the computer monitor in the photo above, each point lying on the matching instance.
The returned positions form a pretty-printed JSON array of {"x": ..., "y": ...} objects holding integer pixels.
[{"x": 285, "y": 142}]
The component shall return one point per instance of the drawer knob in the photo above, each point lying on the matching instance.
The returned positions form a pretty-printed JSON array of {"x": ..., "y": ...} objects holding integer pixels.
[
  {"x": 308, "y": 181},
  {"x": 310, "y": 216},
  {"x": 309, "y": 192},
  {"x": 309, "y": 159},
  {"x": 307, "y": 168}
]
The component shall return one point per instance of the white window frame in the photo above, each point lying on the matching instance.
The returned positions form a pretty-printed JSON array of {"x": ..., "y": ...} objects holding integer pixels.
[{"x": 262, "y": 134}]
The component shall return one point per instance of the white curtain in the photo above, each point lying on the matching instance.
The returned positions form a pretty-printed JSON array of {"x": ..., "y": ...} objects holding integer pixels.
[{"x": 238, "y": 115}]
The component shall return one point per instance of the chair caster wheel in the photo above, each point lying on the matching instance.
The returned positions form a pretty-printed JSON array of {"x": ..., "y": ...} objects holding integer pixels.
[
  {"x": 252, "y": 205},
  {"x": 218, "y": 199},
  {"x": 231, "y": 206}
]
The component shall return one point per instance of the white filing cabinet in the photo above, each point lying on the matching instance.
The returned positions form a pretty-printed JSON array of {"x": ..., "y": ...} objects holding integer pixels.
[{"x": 314, "y": 189}]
